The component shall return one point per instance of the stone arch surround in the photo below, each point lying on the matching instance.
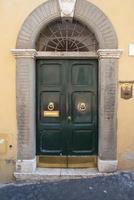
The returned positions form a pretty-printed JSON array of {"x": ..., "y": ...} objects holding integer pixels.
[
  {"x": 85, "y": 11},
  {"x": 108, "y": 56}
]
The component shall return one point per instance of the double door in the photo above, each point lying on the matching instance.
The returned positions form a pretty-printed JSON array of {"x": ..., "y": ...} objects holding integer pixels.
[{"x": 66, "y": 107}]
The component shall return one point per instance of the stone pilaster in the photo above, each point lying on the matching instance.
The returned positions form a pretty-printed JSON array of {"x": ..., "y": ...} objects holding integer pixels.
[
  {"x": 108, "y": 89},
  {"x": 25, "y": 98}
]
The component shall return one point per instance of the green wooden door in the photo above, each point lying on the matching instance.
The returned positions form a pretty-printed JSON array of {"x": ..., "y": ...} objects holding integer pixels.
[{"x": 66, "y": 107}]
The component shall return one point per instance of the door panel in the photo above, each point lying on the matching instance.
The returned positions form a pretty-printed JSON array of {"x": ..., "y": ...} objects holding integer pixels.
[
  {"x": 82, "y": 74},
  {"x": 47, "y": 144},
  {"x": 66, "y": 107},
  {"x": 50, "y": 74},
  {"x": 82, "y": 107},
  {"x": 83, "y": 141}
]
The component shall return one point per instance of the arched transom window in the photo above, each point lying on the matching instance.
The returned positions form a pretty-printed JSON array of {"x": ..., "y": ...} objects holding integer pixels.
[{"x": 65, "y": 35}]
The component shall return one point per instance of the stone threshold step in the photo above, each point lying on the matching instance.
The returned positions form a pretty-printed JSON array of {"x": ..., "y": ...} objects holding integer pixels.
[{"x": 58, "y": 173}]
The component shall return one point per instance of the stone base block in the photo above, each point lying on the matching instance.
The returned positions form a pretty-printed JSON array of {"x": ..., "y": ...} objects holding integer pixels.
[
  {"x": 106, "y": 166},
  {"x": 26, "y": 166}
]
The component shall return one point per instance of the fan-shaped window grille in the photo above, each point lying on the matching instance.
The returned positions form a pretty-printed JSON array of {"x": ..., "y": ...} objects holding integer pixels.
[{"x": 66, "y": 36}]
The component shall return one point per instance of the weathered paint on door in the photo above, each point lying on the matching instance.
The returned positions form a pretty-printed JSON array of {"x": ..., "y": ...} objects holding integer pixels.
[{"x": 66, "y": 107}]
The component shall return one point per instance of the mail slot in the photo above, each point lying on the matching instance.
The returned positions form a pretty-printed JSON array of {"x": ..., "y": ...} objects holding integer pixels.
[{"x": 51, "y": 113}]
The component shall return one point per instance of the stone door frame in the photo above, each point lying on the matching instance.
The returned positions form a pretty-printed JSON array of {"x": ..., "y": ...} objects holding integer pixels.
[{"x": 108, "y": 55}]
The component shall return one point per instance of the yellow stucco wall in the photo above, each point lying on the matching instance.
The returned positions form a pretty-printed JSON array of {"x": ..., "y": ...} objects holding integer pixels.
[
  {"x": 121, "y": 15},
  {"x": 12, "y": 15}
]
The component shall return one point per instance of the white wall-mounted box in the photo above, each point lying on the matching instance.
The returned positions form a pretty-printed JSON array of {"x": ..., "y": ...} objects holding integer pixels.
[
  {"x": 3, "y": 146},
  {"x": 131, "y": 49}
]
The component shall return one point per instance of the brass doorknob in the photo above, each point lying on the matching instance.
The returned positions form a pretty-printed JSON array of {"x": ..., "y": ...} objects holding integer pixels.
[{"x": 69, "y": 118}]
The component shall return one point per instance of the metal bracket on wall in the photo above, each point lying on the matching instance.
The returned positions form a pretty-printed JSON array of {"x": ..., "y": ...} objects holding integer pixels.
[{"x": 126, "y": 89}]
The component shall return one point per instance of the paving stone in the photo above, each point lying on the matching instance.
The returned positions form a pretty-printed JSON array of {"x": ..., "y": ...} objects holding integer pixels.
[{"x": 118, "y": 186}]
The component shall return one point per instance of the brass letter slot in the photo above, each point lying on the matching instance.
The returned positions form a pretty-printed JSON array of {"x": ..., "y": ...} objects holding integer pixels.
[{"x": 51, "y": 113}]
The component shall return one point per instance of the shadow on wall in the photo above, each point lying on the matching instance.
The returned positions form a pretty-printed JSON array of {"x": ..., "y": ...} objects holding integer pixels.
[{"x": 7, "y": 168}]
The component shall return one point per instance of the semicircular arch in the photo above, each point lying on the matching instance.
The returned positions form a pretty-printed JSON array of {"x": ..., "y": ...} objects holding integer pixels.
[{"x": 86, "y": 12}]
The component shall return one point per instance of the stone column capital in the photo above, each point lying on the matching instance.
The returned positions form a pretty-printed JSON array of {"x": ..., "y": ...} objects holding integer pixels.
[
  {"x": 109, "y": 53},
  {"x": 24, "y": 53}
]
